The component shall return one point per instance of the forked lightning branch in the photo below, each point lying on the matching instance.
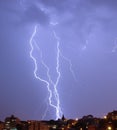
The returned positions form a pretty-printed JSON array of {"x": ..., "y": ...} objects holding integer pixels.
[
  {"x": 52, "y": 93},
  {"x": 53, "y": 99}
]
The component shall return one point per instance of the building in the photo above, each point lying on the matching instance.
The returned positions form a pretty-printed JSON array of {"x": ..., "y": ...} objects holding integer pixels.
[
  {"x": 37, "y": 125},
  {"x": 11, "y": 122},
  {"x": 112, "y": 115}
]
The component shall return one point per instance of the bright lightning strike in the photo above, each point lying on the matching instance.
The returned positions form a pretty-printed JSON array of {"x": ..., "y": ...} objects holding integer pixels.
[
  {"x": 54, "y": 100},
  {"x": 53, "y": 95}
]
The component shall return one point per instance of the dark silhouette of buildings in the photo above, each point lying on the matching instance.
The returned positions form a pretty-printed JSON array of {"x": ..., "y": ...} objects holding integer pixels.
[{"x": 109, "y": 122}]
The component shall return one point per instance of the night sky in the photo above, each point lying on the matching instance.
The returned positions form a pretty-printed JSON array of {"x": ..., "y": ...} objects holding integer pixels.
[{"x": 87, "y": 33}]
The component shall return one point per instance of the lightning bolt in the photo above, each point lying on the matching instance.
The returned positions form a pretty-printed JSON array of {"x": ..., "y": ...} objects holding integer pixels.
[
  {"x": 53, "y": 95},
  {"x": 53, "y": 99}
]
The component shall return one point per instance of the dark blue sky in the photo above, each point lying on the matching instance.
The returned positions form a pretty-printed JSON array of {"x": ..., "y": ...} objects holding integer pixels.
[{"x": 87, "y": 32}]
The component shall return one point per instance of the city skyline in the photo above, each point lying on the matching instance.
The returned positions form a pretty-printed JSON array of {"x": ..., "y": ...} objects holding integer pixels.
[{"x": 87, "y": 122}]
